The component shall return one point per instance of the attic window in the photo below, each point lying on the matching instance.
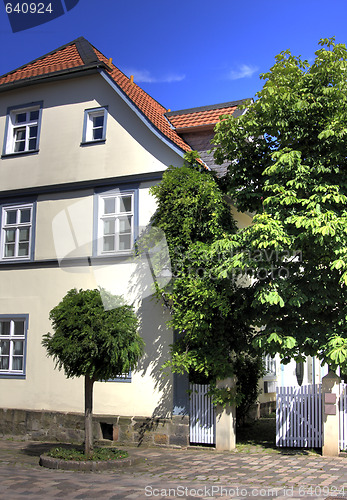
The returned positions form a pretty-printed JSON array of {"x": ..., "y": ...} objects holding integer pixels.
[
  {"x": 22, "y": 130},
  {"x": 94, "y": 128}
]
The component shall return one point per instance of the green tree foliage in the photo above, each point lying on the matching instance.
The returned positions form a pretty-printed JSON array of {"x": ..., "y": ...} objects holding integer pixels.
[
  {"x": 207, "y": 310},
  {"x": 93, "y": 341},
  {"x": 287, "y": 165}
]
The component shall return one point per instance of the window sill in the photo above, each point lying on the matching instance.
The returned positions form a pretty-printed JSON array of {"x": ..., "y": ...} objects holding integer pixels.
[
  {"x": 20, "y": 376},
  {"x": 90, "y": 143},
  {"x": 22, "y": 153},
  {"x": 13, "y": 260}
]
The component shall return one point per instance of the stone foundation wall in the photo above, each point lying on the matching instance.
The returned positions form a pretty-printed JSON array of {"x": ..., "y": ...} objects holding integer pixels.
[{"x": 69, "y": 427}]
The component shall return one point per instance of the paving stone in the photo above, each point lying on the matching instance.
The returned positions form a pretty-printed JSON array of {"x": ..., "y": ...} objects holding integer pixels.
[{"x": 257, "y": 475}]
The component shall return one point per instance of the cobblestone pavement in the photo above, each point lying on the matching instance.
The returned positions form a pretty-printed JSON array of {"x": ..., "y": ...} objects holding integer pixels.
[{"x": 174, "y": 473}]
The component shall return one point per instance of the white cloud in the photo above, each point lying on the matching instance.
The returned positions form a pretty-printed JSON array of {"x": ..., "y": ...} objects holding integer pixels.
[
  {"x": 244, "y": 71},
  {"x": 144, "y": 76}
]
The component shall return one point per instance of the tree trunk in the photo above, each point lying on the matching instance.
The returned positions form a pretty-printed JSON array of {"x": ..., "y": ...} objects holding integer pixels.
[{"x": 88, "y": 415}]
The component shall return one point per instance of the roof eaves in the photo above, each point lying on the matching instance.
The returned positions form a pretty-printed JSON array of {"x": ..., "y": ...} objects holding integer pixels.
[
  {"x": 56, "y": 75},
  {"x": 195, "y": 128}
]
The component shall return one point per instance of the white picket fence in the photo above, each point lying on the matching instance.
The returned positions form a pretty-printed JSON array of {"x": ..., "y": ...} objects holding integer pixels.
[
  {"x": 343, "y": 416},
  {"x": 299, "y": 416},
  {"x": 202, "y": 415}
]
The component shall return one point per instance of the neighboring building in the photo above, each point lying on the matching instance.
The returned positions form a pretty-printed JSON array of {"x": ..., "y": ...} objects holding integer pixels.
[
  {"x": 292, "y": 374},
  {"x": 82, "y": 145}
]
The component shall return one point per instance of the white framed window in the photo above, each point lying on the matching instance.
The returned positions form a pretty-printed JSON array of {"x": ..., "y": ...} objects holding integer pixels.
[
  {"x": 13, "y": 333},
  {"x": 16, "y": 231},
  {"x": 124, "y": 377},
  {"x": 94, "y": 128},
  {"x": 270, "y": 365},
  {"x": 116, "y": 222},
  {"x": 23, "y": 129}
]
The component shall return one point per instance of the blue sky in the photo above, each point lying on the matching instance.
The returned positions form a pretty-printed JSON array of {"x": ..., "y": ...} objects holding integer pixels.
[{"x": 185, "y": 53}]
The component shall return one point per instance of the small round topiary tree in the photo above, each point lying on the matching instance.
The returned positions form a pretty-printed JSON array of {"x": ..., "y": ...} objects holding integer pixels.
[{"x": 93, "y": 339}]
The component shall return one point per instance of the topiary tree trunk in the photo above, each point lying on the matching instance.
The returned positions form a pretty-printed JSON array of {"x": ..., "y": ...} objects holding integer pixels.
[{"x": 88, "y": 416}]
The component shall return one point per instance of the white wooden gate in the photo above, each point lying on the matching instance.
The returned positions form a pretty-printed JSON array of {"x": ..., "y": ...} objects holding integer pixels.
[
  {"x": 202, "y": 414},
  {"x": 299, "y": 416}
]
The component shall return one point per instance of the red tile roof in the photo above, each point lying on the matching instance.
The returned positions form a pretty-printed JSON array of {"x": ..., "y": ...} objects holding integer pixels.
[
  {"x": 210, "y": 117},
  {"x": 201, "y": 117},
  {"x": 67, "y": 57},
  {"x": 80, "y": 55}
]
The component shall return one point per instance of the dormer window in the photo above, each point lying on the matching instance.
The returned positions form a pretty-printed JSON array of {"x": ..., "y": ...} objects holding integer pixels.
[
  {"x": 94, "y": 128},
  {"x": 22, "y": 130}
]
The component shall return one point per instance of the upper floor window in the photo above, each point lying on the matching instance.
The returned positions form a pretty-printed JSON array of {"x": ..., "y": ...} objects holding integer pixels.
[
  {"x": 116, "y": 222},
  {"x": 270, "y": 365},
  {"x": 16, "y": 231},
  {"x": 13, "y": 331},
  {"x": 23, "y": 129},
  {"x": 94, "y": 129}
]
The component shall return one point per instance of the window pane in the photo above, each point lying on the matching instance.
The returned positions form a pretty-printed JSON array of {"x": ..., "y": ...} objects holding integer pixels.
[
  {"x": 125, "y": 204},
  {"x": 4, "y": 347},
  {"x": 19, "y": 147},
  {"x": 33, "y": 131},
  {"x": 125, "y": 225},
  {"x": 10, "y": 235},
  {"x": 34, "y": 115},
  {"x": 109, "y": 226},
  {"x": 23, "y": 249},
  {"x": 125, "y": 242},
  {"x": 18, "y": 347},
  {"x": 4, "y": 363},
  {"x": 9, "y": 250},
  {"x": 25, "y": 215},
  {"x": 97, "y": 133},
  {"x": 17, "y": 363},
  {"x": 20, "y": 134},
  {"x": 98, "y": 121},
  {"x": 21, "y": 117},
  {"x": 11, "y": 216},
  {"x": 18, "y": 327},
  {"x": 4, "y": 328},
  {"x": 109, "y": 244},
  {"x": 32, "y": 144},
  {"x": 24, "y": 234},
  {"x": 109, "y": 206}
]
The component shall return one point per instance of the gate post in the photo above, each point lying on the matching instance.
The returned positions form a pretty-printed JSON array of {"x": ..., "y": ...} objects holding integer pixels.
[
  {"x": 331, "y": 414},
  {"x": 226, "y": 421}
]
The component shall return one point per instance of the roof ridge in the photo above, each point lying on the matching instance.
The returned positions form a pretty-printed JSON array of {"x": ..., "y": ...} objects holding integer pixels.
[
  {"x": 73, "y": 42},
  {"x": 209, "y": 107},
  {"x": 86, "y": 50}
]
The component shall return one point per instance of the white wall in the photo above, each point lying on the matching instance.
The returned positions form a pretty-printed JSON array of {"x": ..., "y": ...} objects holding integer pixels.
[{"x": 130, "y": 147}]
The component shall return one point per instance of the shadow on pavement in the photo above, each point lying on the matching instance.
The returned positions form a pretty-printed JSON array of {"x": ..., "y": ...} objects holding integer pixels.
[{"x": 37, "y": 449}]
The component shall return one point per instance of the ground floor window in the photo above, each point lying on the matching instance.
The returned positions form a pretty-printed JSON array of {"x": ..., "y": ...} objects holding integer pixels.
[
  {"x": 123, "y": 377},
  {"x": 13, "y": 336}
]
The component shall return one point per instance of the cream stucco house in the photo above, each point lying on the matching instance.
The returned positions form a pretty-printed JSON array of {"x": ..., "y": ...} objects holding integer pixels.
[{"x": 82, "y": 145}]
